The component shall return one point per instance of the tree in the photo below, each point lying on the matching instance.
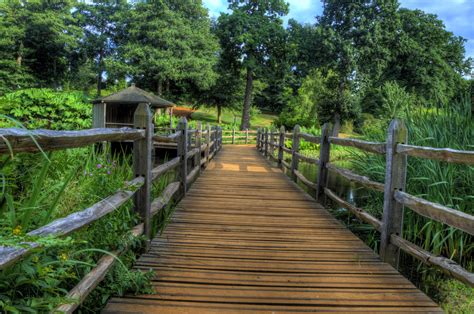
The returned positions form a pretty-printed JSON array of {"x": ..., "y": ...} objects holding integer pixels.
[
  {"x": 99, "y": 22},
  {"x": 168, "y": 42},
  {"x": 249, "y": 36}
]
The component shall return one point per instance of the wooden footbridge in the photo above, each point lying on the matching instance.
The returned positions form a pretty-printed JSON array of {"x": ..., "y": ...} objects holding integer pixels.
[{"x": 244, "y": 237}]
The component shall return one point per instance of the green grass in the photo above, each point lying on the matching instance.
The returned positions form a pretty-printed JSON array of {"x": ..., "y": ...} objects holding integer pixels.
[{"x": 232, "y": 118}]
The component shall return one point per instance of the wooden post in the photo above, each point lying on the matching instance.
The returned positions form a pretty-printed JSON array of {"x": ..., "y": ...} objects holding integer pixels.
[
  {"x": 324, "y": 153},
  {"x": 197, "y": 158},
  {"x": 272, "y": 139},
  {"x": 259, "y": 132},
  {"x": 395, "y": 177},
  {"x": 208, "y": 142},
  {"x": 171, "y": 117},
  {"x": 281, "y": 144},
  {"x": 142, "y": 165},
  {"x": 266, "y": 142},
  {"x": 182, "y": 152},
  {"x": 233, "y": 135},
  {"x": 246, "y": 136},
  {"x": 295, "y": 148}
]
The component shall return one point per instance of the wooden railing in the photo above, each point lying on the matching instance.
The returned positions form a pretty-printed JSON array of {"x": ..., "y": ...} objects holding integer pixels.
[
  {"x": 239, "y": 137},
  {"x": 195, "y": 147},
  {"x": 396, "y": 151}
]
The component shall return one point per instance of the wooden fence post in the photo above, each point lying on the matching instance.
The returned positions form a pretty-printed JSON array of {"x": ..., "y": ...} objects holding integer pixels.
[
  {"x": 324, "y": 155},
  {"x": 272, "y": 139},
  {"x": 233, "y": 135},
  {"x": 259, "y": 139},
  {"x": 295, "y": 148},
  {"x": 197, "y": 159},
  {"x": 182, "y": 152},
  {"x": 142, "y": 165},
  {"x": 266, "y": 143},
  {"x": 395, "y": 177},
  {"x": 246, "y": 136},
  {"x": 208, "y": 142},
  {"x": 281, "y": 144}
]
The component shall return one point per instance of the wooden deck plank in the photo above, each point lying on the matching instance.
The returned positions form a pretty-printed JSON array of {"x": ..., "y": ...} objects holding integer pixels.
[{"x": 247, "y": 240}]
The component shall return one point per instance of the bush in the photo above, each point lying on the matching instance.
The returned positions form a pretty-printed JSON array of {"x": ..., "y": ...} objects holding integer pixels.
[{"x": 42, "y": 108}]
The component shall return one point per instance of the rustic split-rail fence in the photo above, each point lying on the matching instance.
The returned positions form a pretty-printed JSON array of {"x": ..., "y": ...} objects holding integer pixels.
[
  {"x": 244, "y": 237},
  {"x": 396, "y": 151}
]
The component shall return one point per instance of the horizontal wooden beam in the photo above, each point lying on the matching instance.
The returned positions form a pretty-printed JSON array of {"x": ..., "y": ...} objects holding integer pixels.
[
  {"x": 287, "y": 150},
  {"x": 306, "y": 182},
  {"x": 172, "y": 138},
  {"x": 351, "y": 176},
  {"x": 307, "y": 159},
  {"x": 373, "y": 147},
  {"x": 443, "y": 214},
  {"x": 192, "y": 174},
  {"x": 22, "y": 140},
  {"x": 92, "y": 279},
  {"x": 445, "y": 264},
  {"x": 285, "y": 164},
  {"x": 72, "y": 222},
  {"x": 442, "y": 154},
  {"x": 358, "y": 212},
  {"x": 166, "y": 196},
  {"x": 193, "y": 152},
  {"x": 167, "y": 166},
  {"x": 310, "y": 138}
]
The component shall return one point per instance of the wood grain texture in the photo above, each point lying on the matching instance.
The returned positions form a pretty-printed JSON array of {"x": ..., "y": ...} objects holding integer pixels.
[
  {"x": 372, "y": 147},
  {"x": 441, "y": 154},
  {"x": 363, "y": 180},
  {"x": 248, "y": 240},
  {"x": 438, "y": 212},
  {"x": 22, "y": 140},
  {"x": 310, "y": 138}
]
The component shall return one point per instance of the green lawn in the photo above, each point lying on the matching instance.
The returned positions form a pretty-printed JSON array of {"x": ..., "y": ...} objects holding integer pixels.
[{"x": 233, "y": 118}]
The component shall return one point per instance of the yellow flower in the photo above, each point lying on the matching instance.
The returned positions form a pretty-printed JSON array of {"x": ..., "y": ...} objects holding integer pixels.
[
  {"x": 63, "y": 257},
  {"x": 17, "y": 230}
]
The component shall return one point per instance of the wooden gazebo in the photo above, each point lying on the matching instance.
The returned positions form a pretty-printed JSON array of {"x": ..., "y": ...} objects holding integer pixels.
[{"x": 116, "y": 110}]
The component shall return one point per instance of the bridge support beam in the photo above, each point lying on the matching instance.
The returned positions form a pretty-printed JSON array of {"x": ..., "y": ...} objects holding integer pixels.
[{"x": 324, "y": 153}]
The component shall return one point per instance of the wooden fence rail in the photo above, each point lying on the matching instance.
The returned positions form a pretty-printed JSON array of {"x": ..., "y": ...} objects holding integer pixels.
[
  {"x": 206, "y": 142},
  {"x": 234, "y": 136},
  {"x": 396, "y": 151}
]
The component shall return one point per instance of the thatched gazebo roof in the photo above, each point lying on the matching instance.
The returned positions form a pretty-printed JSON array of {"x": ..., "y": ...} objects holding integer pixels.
[{"x": 135, "y": 95}]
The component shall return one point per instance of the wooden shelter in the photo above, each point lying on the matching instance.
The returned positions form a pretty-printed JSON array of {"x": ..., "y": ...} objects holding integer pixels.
[{"x": 116, "y": 110}]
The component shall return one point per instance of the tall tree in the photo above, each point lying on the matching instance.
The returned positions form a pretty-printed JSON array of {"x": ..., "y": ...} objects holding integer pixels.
[
  {"x": 168, "y": 42},
  {"x": 250, "y": 36},
  {"x": 99, "y": 22}
]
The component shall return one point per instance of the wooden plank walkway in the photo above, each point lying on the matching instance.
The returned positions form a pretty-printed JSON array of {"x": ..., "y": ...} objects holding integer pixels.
[{"x": 248, "y": 240}]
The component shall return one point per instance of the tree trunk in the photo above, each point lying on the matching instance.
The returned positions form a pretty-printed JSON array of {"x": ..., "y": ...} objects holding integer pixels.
[
  {"x": 99, "y": 74},
  {"x": 219, "y": 114},
  {"x": 159, "y": 87},
  {"x": 337, "y": 125},
  {"x": 247, "y": 101}
]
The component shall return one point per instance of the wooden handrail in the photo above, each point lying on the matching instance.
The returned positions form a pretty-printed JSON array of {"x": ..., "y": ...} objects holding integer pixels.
[
  {"x": 310, "y": 138},
  {"x": 373, "y": 147},
  {"x": 307, "y": 159},
  {"x": 438, "y": 212},
  {"x": 445, "y": 264},
  {"x": 358, "y": 212},
  {"x": 351, "y": 176},
  {"x": 441, "y": 154},
  {"x": 22, "y": 140}
]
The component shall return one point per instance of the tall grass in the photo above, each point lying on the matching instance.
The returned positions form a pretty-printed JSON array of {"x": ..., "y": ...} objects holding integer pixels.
[{"x": 441, "y": 182}]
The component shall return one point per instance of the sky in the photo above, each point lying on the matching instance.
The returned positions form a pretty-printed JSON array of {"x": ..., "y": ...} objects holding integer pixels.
[{"x": 457, "y": 15}]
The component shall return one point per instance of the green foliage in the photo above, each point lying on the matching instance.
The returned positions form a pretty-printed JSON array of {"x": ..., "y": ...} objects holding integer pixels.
[
  {"x": 46, "y": 108},
  {"x": 168, "y": 42},
  {"x": 36, "y": 191}
]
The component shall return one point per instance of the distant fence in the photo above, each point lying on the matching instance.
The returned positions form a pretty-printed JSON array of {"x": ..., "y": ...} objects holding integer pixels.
[
  {"x": 239, "y": 137},
  {"x": 396, "y": 151},
  {"x": 195, "y": 149}
]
